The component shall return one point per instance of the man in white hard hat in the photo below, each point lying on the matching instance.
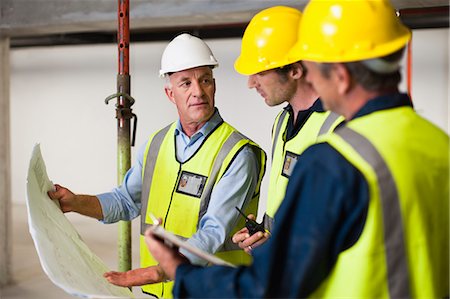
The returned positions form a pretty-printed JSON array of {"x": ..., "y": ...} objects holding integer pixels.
[
  {"x": 366, "y": 212},
  {"x": 191, "y": 173}
]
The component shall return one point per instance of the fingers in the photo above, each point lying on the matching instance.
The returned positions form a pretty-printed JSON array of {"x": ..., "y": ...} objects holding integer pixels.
[
  {"x": 263, "y": 239},
  {"x": 134, "y": 277},
  {"x": 251, "y": 216},
  {"x": 148, "y": 234},
  {"x": 52, "y": 193},
  {"x": 109, "y": 275},
  {"x": 240, "y": 236},
  {"x": 251, "y": 240},
  {"x": 243, "y": 233},
  {"x": 59, "y": 192},
  {"x": 117, "y": 278},
  {"x": 154, "y": 244},
  {"x": 65, "y": 197},
  {"x": 169, "y": 258},
  {"x": 254, "y": 241}
]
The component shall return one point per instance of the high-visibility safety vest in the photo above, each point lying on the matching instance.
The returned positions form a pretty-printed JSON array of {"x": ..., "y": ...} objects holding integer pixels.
[
  {"x": 403, "y": 249},
  {"x": 179, "y": 193},
  {"x": 285, "y": 153}
]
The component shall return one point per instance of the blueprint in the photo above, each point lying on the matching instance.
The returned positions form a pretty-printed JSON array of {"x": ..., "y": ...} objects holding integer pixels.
[{"x": 65, "y": 258}]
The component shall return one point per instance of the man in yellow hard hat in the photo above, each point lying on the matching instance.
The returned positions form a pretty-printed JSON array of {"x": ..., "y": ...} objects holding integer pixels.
[
  {"x": 191, "y": 173},
  {"x": 377, "y": 187},
  {"x": 267, "y": 39}
]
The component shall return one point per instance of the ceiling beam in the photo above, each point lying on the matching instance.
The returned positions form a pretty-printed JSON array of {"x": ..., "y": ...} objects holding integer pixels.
[
  {"x": 60, "y": 22},
  {"x": 42, "y": 17}
]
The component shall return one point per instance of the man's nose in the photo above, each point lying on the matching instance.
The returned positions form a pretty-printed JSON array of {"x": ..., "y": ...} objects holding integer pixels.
[
  {"x": 251, "y": 82},
  {"x": 197, "y": 89}
]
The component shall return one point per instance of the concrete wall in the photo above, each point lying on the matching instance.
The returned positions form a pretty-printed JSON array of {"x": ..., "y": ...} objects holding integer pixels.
[{"x": 57, "y": 98}]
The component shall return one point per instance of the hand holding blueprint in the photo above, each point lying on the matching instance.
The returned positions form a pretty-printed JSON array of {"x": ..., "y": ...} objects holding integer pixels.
[{"x": 65, "y": 258}]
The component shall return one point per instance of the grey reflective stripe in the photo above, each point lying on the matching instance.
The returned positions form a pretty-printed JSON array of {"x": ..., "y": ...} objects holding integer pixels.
[
  {"x": 148, "y": 173},
  {"x": 397, "y": 267},
  {"x": 228, "y": 244},
  {"x": 260, "y": 155},
  {"x": 329, "y": 121},
  {"x": 277, "y": 130},
  {"x": 268, "y": 222},
  {"x": 234, "y": 138}
]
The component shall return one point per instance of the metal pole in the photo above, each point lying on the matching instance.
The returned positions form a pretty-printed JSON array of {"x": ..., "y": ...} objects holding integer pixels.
[{"x": 124, "y": 116}]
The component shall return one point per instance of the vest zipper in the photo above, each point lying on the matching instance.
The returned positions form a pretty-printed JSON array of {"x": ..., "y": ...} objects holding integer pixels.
[{"x": 171, "y": 196}]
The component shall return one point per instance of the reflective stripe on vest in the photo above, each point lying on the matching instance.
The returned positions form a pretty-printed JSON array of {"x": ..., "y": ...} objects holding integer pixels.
[
  {"x": 397, "y": 266},
  {"x": 330, "y": 123},
  {"x": 234, "y": 138},
  {"x": 277, "y": 131},
  {"x": 318, "y": 123},
  {"x": 148, "y": 173}
]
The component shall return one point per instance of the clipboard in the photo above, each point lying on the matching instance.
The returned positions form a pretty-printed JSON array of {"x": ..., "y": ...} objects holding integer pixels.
[{"x": 171, "y": 240}]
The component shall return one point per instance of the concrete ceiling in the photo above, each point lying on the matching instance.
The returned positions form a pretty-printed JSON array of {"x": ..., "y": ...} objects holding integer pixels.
[{"x": 34, "y": 18}]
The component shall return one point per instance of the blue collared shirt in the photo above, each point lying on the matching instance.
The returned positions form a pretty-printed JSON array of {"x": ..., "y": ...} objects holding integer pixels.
[
  {"x": 235, "y": 188},
  {"x": 322, "y": 214}
]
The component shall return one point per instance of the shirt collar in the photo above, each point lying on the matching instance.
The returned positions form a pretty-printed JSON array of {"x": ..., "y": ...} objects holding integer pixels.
[
  {"x": 384, "y": 102},
  {"x": 315, "y": 107},
  {"x": 206, "y": 129}
]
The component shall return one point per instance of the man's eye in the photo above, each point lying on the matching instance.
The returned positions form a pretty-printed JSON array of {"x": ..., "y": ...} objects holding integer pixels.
[{"x": 186, "y": 84}]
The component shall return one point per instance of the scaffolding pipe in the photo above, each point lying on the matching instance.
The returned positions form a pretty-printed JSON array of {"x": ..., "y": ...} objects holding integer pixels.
[
  {"x": 123, "y": 126},
  {"x": 123, "y": 115}
]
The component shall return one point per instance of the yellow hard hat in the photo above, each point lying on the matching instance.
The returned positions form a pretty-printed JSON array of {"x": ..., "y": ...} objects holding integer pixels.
[
  {"x": 267, "y": 40},
  {"x": 349, "y": 30}
]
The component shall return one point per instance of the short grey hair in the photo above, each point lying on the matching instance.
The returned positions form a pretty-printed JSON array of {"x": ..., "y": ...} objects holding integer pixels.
[
  {"x": 364, "y": 74},
  {"x": 167, "y": 82}
]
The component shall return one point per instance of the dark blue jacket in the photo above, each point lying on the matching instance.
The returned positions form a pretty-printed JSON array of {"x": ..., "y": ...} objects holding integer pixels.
[{"x": 323, "y": 213}]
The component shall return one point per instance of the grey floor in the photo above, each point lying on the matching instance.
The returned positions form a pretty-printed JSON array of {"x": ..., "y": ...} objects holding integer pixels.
[{"x": 30, "y": 281}]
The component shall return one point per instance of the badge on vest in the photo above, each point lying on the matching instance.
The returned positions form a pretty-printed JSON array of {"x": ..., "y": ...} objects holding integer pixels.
[
  {"x": 290, "y": 159},
  {"x": 191, "y": 184}
]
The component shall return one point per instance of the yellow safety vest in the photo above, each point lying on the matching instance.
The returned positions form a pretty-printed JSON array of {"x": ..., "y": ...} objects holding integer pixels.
[
  {"x": 285, "y": 153},
  {"x": 179, "y": 193},
  {"x": 403, "y": 250}
]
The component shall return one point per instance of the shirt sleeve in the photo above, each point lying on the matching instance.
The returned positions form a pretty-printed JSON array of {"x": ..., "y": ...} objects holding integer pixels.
[
  {"x": 234, "y": 189},
  {"x": 322, "y": 214},
  {"x": 124, "y": 201}
]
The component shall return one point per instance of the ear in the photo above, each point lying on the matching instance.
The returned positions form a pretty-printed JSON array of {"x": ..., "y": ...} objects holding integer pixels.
[
  {"x": 169, "y": 94},
  {"x": 297, "y": 70},
  {"x": 342, "y": 78}
]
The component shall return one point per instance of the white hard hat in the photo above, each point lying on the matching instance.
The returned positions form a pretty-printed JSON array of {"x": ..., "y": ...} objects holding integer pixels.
[{"x": 184, "y": 52}]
